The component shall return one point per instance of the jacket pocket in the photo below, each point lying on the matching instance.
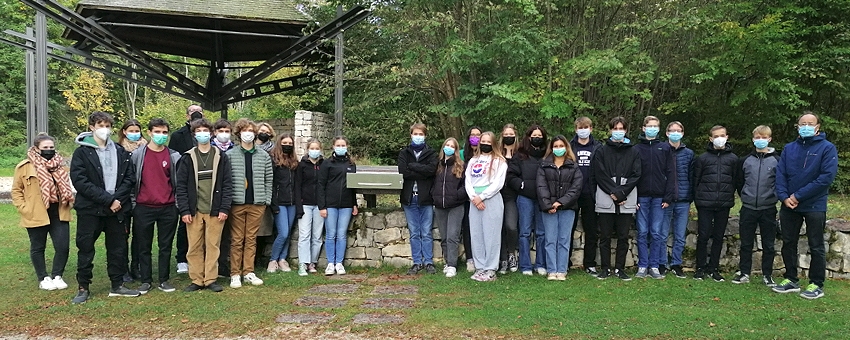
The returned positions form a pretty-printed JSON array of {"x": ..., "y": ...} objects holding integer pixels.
[
  {"x": 631, "y": 200},
  {"x": 603, "y": 201}
]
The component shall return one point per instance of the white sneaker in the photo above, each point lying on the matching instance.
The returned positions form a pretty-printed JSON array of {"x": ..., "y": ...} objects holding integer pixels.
[
  {"x": 450, "y": 271},
  {"x": 330, "y": 270},
  {"x": 235, "y": 281},
  {"x": 470, "y": 266},
  {"x": 340, "y": 270},
  {"x": 182, "y": 268},
  {"x": 59, "y": 283},
  {"x": 526, "y": 272},
  {"x": 541, "y": 271},
  {"x": 253, "y": 279},
  {"x": 46, "y": 284}
]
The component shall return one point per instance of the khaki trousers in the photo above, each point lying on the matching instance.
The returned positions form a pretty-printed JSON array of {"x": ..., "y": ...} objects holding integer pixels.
[
  {"x": 204, "y": 234},
  {"x": 245, "y": 222}
]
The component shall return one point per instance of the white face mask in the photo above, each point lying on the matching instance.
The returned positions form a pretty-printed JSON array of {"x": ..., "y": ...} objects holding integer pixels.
[
  {"x": 103, "y": 133},
  {"x": 247, "y": 137},
  {"x": 719, "y": 142},
  {"x": 223, "y": 137}
]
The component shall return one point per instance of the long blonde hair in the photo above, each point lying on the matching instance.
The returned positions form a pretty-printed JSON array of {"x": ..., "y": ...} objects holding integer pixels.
[
  {"x": 496, "y": 153},
  {"x": 458, "y": 169}
]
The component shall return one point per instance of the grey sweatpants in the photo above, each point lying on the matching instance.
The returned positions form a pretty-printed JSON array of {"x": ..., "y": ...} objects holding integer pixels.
[
  {"x": 485, "y": 230},
  {"x": 448, "y": 222}
]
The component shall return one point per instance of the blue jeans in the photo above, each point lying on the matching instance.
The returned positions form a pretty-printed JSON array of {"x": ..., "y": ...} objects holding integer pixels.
[
  {"x": 283, "y": 223},
  {"x": 559, "y": 228},
  {"x": 530, "y": 214},
  {"x": 336, "y": 236},
  {"x": 420, "y": 221},
  {"x": 650, "y": 217},
  {"x": 675, "y": 218},
  {"x": 310, "y": 228}
]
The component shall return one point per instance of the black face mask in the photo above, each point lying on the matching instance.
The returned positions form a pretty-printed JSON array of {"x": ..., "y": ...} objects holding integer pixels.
[
  {"x": 287, "y": 149},
  {"x": 537, "y": 141},
  {"x": 264, "y": 137},
  {"x": 48, "y": 154},
  {"x": 196, "y": 115},
  {"x": 485, "y": 148},
  {"x": 509, "y": 140}
]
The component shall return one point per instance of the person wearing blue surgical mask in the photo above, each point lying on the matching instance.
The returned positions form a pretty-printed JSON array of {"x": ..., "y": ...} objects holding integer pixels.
[
  {"x": 337, "y": 203},
  {"x": 676, "y": 215},
  {"x": 417, "y": 164},
  {"x": 656, "y": 189},
  {"x": 449, "y": 196},
  {"x": 584, "y": 146},
  {"x": 130, "y": 136}
]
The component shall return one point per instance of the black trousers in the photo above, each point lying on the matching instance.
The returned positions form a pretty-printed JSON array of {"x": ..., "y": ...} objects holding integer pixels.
[
  {"x": 791, "y": 222},
  {"x": 765, "y": 221},
  {"x": 59, "y": 232},
  {"x": 144, "y": 219},
  {"x": 710, "y": 226},
  {"x": 589, "y": 219},
  {"x": 182, "y": 242},
  {"x": 464, "y": 229},
  {"x": 510, "y": 237},
  {"x": 224, "y": 248},
  {"x": 608, "y": 223},
  {"x": 89, "y": 228}
]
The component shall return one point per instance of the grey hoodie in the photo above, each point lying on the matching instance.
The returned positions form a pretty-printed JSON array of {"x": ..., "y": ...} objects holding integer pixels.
[
  {"x": 756, "y": 180},
  {"x": 108, "y": 157}
]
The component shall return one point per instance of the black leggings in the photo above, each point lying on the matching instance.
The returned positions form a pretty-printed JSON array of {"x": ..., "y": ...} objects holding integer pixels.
[{"x": 59, "y": 232}]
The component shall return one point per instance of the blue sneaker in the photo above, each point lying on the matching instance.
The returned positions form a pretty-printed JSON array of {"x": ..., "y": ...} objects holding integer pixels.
[
  {"x": 812, "y": 292},
  {"x": 786, "y": 286}
]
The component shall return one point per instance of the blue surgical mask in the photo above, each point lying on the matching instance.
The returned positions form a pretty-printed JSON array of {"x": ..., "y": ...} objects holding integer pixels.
[
  {"x": 340, "y": 150},
  {"x": 583, "y": 133},
  {"x": 651, "y": 131},
  {"x": 315, "y": 154},
  {"x": 159, "y": 138},
  {"x": 418, "y": 140},
  {"x": 203, "y": 137},
  {"x": 806, "y": 130},
  {"x": 675, "y": 137},
  {"x": 448, "y": 150},
  {"x": 134, "y": 136},
  {"x": 559, "y": 151},
  {"x": 618, "y": 135},
  {"x": 760, "y": 143}
]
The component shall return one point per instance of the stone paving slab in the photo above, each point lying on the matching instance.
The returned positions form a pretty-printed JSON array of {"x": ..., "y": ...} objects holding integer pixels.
[
  {"x": 355, "y": 278},
  {"x": 385, "y": 303},
  {"x": 320, "y": 302},
  {"x": 396, "y": 290},
  {"x": 346, "y": 288},
  {"x": 305, "y": 318},
  {"x": 377, "y": 319}
]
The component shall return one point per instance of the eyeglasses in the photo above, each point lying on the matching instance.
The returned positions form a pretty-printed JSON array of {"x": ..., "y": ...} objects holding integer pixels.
[{"x": 807, "y": 124}]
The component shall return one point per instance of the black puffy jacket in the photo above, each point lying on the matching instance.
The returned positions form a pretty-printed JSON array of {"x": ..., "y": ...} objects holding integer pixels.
[
  {"x": 309, "y": 174},
  {"x": 558, "y": 184},
  {"x": 522, "y": 175},
  {"x": 333, "y": 191},
  {"x": 87, "y": 178},
  {"x": 420, "y": 171},
  {"x": 448, "y": 190},
  {"x": 286, "y": 189},
  {"x": 714, "y": 178}
]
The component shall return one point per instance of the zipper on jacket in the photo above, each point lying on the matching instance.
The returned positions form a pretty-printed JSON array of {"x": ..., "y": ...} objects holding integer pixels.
[
  {"x": 758, "y": 181},
  {"x": 445, "y": 171}
]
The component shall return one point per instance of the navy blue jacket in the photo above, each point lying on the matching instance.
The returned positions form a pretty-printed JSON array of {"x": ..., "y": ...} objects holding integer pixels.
[
  {"x": 584, "y": 154},
  {"x": 806, "y": 169},
  {"x": 658, "y": 169},
  {"x": 684, "y": 164}
]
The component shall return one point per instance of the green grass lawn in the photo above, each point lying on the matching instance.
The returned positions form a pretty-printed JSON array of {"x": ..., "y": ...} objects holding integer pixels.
[{"x": 513, "y": 306}]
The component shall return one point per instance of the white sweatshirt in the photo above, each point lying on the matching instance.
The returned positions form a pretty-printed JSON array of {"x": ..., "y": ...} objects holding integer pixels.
[{"x": 480, "y": 174}]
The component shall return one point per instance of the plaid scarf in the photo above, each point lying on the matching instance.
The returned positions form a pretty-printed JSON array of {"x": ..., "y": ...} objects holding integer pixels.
[{"x": 54, "y": 179}]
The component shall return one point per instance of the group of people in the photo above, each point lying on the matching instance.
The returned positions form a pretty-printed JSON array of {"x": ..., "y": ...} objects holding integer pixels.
[
  {"x": 495, "y": 190},
  {"x": 214, "y": 195}
]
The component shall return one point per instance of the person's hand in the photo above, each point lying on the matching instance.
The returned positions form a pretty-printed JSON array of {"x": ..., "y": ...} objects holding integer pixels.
[
  {"x": 476, "y": 200},
  {"x": 637, "y": 207},
  {"x": 794, "y": 199},
  {"x": 622, "y": 203},
  {"x": 116, "y": 205},
  {"x": 664, "y": 205},
  {"x": 323, "y": 213},
  {"x": 553, "y": 210},
  {"x": 556, "y": 205},
  {"x": 354, "y": 211},
  {"x": 613, "y": 197},
  {"x": 186, "y": 219},
  {"x": 789, "y": 202},
  {"x": 222, "y": 217}
]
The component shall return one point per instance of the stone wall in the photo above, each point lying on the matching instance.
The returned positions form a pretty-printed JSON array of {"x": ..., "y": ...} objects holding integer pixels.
[
  {"x": 379, "y": 237},
  {"x": 305, "y": 125}
]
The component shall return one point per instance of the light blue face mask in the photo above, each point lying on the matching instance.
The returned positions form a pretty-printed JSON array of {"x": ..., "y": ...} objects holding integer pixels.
[
  {"x": 806, "y": 130},
  {"x": 651, "y": 131},
  {"x": 314, "y": 154},
  {"x": 675, "y": 137},
  {"x": 202, "y": 137},
  {"x": 559, "y": 151},
  {"x": 618, "y": 135},
  {"x": 340, "y": 150},
  {"x": 134, "y": 136},
  {"x": 760, "y": 143},
  {"x": 449, "y": 151},
  {"x": 418, "y": 140}
]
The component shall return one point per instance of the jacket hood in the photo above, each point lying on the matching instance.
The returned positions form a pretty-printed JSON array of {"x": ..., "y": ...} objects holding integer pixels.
[
  {"x": 813, "y": 139},
  {"x": 87, "y": 139},
  {"x": 626, "y": 143},
  {"x": 550, "y": 161},
  {"x": 591, "y": 140},
  {"x": 680, "y": 147},
  {"x": 710, "y": 148},
  {"x": 306, "y": 158},
  {"x": 642, "y": 138},
  {"x": 770, "y": 152}
]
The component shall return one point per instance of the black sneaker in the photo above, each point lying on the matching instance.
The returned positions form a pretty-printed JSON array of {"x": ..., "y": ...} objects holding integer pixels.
[
  {"x": 604, "y": 274},
  {"x": 717, "y": 277},
  {"x": 662, "y": 270},
  {"x": 677, "y": 270},
  {"x": 429, "y": 268},
  {"x": 621, "y": 274},
  {"x": 699, "y": 275},
  {"x": 215, "y": 287},
  {"x": 193, "y": 288},
  {"x": 166, "y": 287},
  {"x": 81, "y": 297},
  {"x": 591, "y": 271},
  {"x": 144, "y": 288},
  {"x": 414, "y": 270},
  {"x": 503, "y": 267},
  {"x": 513, "y": 265},
  {"x": 123, "y": 291},
  {"x": 768, "y": 281},
  {"x": 740, "y": 278}
]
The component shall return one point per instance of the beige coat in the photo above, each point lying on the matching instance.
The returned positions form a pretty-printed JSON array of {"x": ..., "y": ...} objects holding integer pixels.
[{"x": 26, "y": 196}]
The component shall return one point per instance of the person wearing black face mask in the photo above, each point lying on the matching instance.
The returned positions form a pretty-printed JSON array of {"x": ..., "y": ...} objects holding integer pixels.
[
  {"x": 507, "y": 255},
  {"x": 522, "y": 177},
  {"x": 286, "y": 200},
  {"x": 181, "y": 141},
  {"x": 45, "y": 208}
]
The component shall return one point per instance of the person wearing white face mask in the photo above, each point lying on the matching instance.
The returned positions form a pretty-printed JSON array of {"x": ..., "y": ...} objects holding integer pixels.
[
  {"x": 253, "y": 183},
  {"x": 181, "y": 141},
  {"x": 714, "y": 195},
  {"x": 676, "y": 216},
  {"x": 221, "y": 135}
]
